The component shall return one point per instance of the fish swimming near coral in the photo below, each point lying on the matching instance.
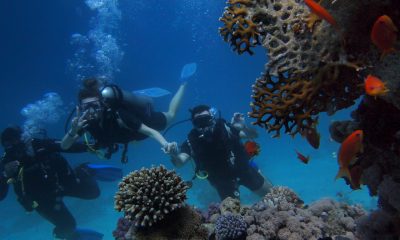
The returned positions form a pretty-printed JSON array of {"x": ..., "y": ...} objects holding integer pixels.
[
  {"x": 374, "y": 86},
  {"x": 350, "y": 148},
  {"x": 312, "y": 136},
  {"x": 384, "y": 34},
  {"x": 321, "y": 12},
  {"x": 252, "y": 148},
  {"x": 302, "y": 158}
]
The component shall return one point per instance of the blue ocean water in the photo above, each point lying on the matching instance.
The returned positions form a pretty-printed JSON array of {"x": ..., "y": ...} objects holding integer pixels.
[{"x": 48, "y": 46}]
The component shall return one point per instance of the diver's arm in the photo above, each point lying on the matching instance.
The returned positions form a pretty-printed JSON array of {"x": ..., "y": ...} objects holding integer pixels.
[
  {"x": 180, "y": 159},
  {"x": 166, "y": 147},
  {"x": 153, "y": 133},
  {"x": 77, "y": 127},
  {"x": 68, "y": 140}
]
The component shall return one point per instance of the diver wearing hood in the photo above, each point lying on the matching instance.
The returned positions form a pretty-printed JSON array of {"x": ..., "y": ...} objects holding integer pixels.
[
  {"x": 113, "y": 116},
  {"x": 41, "y": 177},
  {"x": 219, "y": 155}
]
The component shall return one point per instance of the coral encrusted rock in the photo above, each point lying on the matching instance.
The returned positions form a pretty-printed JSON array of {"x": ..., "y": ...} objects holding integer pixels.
[
  {"x": 148, "y": 195},
  {"x": 230, "y": 227}
]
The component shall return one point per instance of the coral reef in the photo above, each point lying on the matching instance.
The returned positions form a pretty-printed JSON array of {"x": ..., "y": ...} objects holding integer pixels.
[
  {"x": 230, "y": 227},
  {"x": 379, "y": 163},
  {"x": 294, "y": 103},
  {"x": 378, "y": 225},
  {"x": 317, "y": 65},
  {"x": 281, "y": 27},
  {"x": 123, "y": 226},
  {"x": 239, "y": 29},
  {"x": 184, "y": 223},
  {"x": 281, "y": 214},
  {"x": 148, "y": 195}
]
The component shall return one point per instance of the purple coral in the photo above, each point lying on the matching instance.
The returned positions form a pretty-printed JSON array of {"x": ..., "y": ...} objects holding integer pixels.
[
  {"x": 232, "y": 227},
  {"x": 123, "y": 226}
]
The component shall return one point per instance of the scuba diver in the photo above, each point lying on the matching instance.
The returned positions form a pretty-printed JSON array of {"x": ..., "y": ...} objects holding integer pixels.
[
  {"x": 41, "y": 177},
  {"x": 219, "y": 155},
  {"x": 113, "y": 116}
]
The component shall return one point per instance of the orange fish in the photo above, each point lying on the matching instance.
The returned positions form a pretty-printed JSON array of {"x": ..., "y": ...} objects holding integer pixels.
[
  {"x": 312, "y": 136},
  {"x": 252, "y": 148},
  {"x": 384, "y": 34},
  {"x": 374, "y": 86},
  {"x": 348, "y": 151},
  {"x": 302, "y": 158},
  {"x": 321, "y": 12}
]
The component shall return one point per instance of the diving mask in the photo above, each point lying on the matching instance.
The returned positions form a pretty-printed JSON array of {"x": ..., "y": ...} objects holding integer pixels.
[
  {"x": 203, "y": 121},
  {"x": 92, "y": 107}
]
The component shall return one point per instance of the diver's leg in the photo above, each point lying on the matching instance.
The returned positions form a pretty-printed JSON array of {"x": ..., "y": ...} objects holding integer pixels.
[
  {"x": 255, "y": 181},
  {"x": 174, "y": 104},
  {"x": 264, "y": 189},
  {"x": 226, "y": 188},
  {"x": 57, "y": 213}
]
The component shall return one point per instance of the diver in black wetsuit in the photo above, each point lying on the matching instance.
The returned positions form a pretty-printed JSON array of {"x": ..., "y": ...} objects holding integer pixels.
[
  {"x": 113, "y": 116},
  {"x": 219, "y": 154},
  {"x": 42, "y": 177}
]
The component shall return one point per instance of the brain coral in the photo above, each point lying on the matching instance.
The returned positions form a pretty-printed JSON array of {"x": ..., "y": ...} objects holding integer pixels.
[{"x": 148, "y": 195}]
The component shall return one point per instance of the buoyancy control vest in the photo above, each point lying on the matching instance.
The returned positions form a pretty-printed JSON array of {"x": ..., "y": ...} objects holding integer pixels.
[
  {"x": 120, "y": 107},
  {"x": 217, "y": 150}
]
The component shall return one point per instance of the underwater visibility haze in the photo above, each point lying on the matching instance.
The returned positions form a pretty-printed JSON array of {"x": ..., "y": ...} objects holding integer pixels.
[{"x": 316, "y": 85}]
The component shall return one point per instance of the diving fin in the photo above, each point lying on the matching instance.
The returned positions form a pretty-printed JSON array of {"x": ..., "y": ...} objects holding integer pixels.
[
  {"x": 106, "y": 173},
  {"x": 188, "y": 70},
  {"x": 154, "y": 92},
  {"x": 87, "y": 234}
]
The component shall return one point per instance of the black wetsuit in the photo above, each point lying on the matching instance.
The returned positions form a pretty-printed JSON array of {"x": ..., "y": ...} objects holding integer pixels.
[
  {"x": 120, "y": 123},
  {"x": 222, "y": 155},
  {"x": 45, "y": 177}
]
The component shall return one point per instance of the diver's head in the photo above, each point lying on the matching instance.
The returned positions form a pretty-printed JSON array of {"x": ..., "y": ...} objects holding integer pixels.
[
  {"x": 12, "y": 142},
  {"x": 90, "y": 99},
  {"x": 90, "y": 88},
  {"x": 11, "y": 137},
  {"x": 202, "y": 116}
]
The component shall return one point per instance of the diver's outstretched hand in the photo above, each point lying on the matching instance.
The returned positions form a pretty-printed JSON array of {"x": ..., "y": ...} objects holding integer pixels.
[
  {"x": 170, "y": 148},
  {"x": 238, "y": 121}
]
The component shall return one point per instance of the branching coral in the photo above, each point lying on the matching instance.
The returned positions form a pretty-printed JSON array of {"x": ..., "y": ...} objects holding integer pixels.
[
  {"x": 281, "y": 27},
  {"x": 148, "y": 195},
  {"x": 294, "y": 103},
  {"x": 238, "y": 28}
]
